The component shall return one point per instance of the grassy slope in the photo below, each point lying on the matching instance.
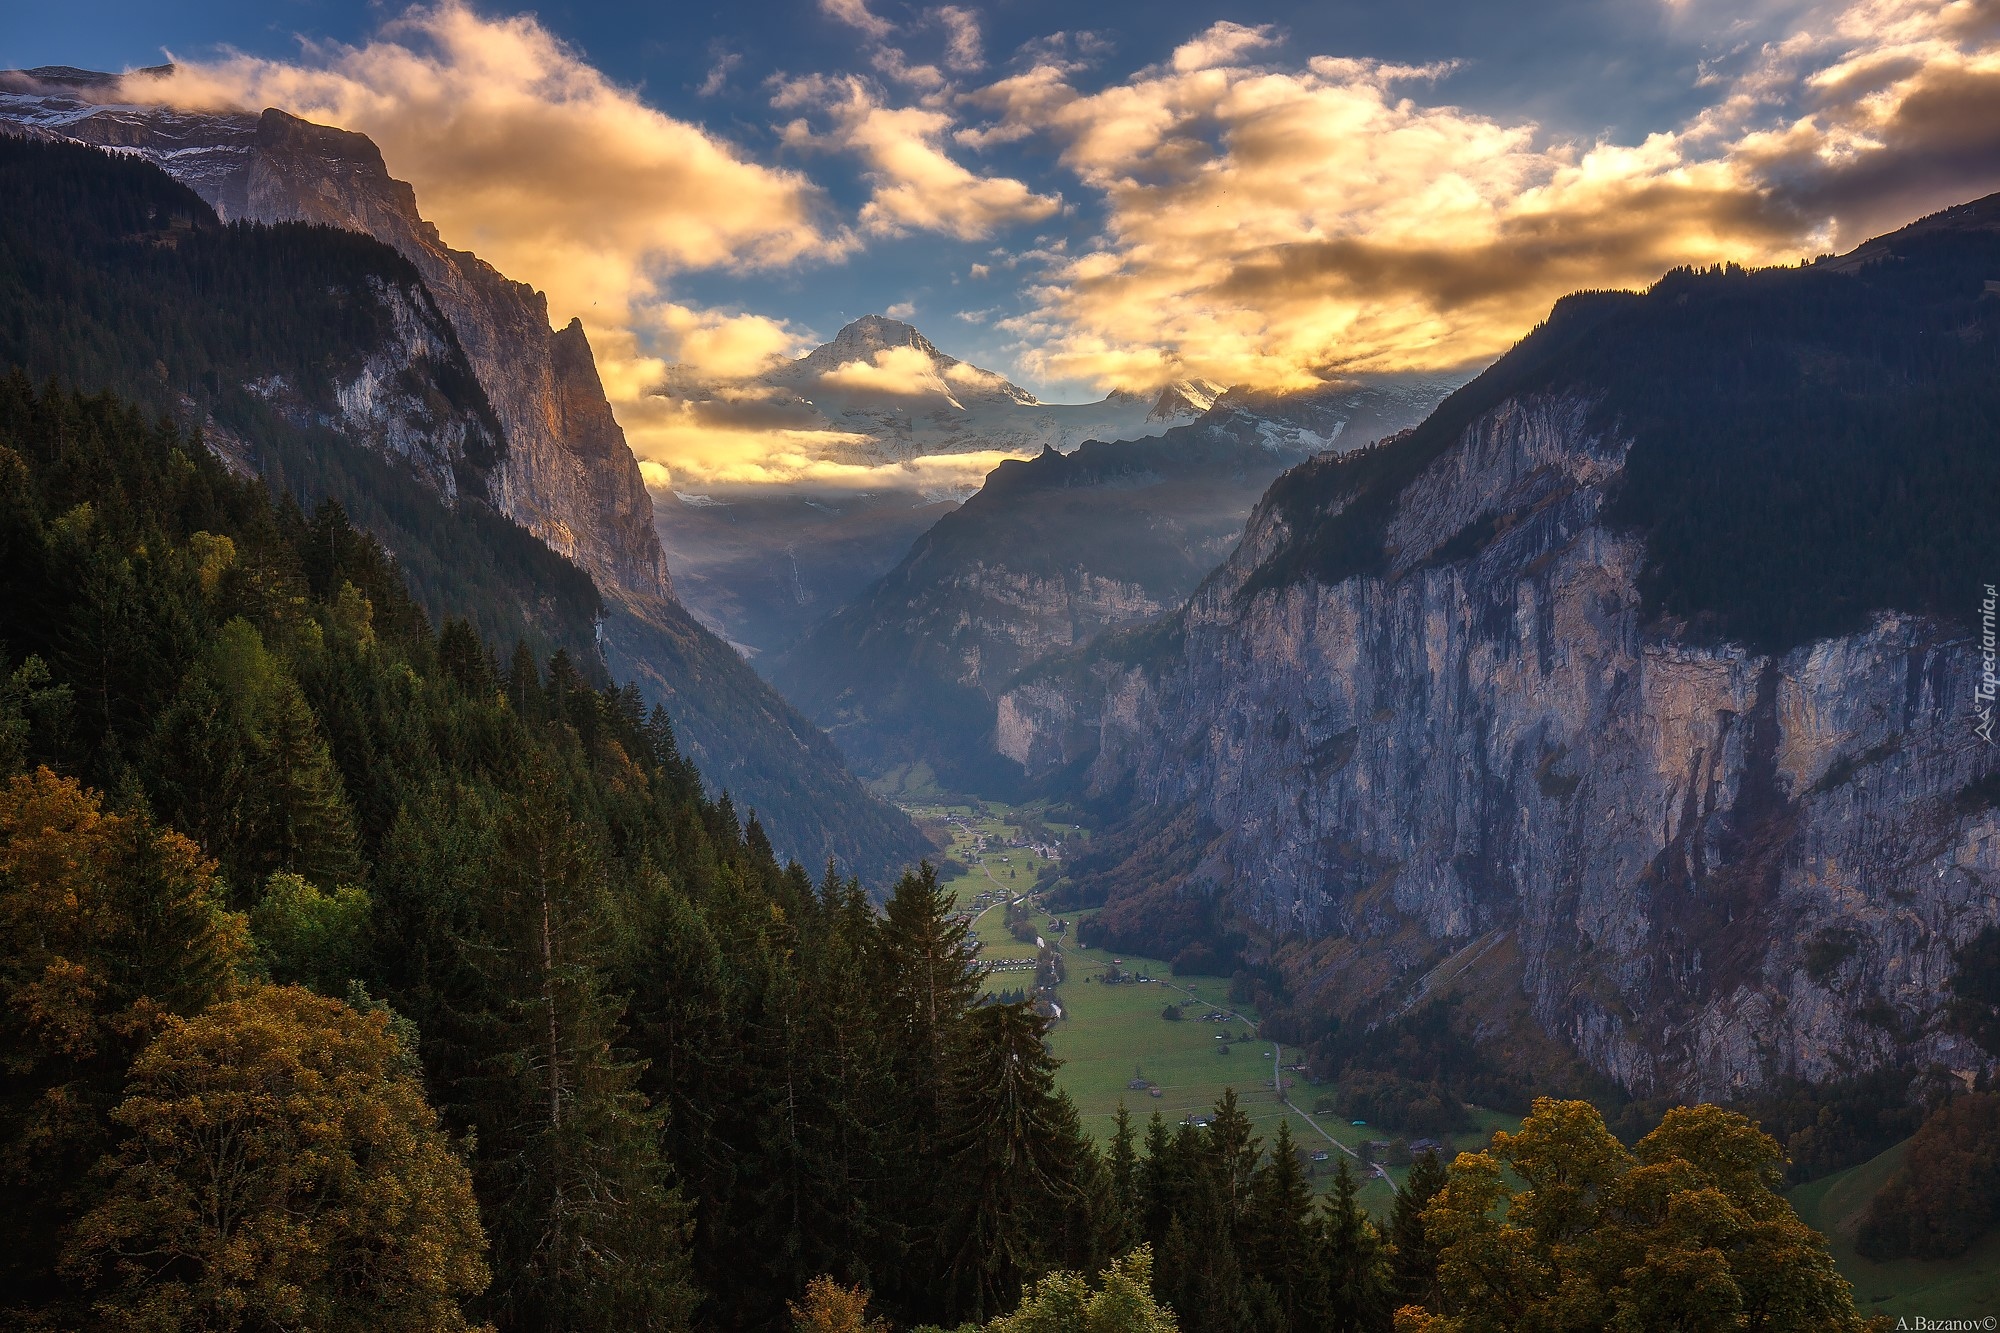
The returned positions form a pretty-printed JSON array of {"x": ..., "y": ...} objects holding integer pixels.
[{"x": 1962, "y": 1288}]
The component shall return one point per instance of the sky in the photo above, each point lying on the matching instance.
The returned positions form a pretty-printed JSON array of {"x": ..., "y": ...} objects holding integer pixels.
[{"x": 1089, "y": 197}]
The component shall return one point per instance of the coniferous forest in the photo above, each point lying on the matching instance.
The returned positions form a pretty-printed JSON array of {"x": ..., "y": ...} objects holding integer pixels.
[
  {"x": 369, "y": 962},
  {"x": 356, "y": 977}
]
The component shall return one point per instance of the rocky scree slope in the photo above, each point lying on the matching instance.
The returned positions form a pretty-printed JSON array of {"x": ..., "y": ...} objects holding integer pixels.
[
  {"x": 1050, "y": 553},
  {"x": 1647, "y": 664}
]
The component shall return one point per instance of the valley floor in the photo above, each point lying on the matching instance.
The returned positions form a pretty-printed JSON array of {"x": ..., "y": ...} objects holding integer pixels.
[{"x": 1112, "y": 1034}]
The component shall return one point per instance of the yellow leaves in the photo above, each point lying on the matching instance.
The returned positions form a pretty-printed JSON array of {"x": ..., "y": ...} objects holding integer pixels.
[
  {"x": 214, "y": 556},
  {"x": 281, "y": 1162},
  {"x": 832, "y": 1308},
  {"x": 1688, "y": 1232},
  {"x": 352, "y": 617}
]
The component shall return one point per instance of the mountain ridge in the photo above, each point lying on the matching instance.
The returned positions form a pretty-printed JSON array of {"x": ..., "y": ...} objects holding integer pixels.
[
  {"x": 1646, "y": 655},
  {"x": 566, "y": 474},
  {"x": 1049, "y": 553}
]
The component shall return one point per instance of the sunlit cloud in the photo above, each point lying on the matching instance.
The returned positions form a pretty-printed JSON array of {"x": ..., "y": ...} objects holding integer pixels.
[
  {"x": 895, "y": 372},
  {"x": 916, "y": 185},
  {"x": 523, "y": 152},
  {"x": 1234, "y": 212},
  {"x": 962, "y": 40},
  {"x": 1272, "y": 226}
]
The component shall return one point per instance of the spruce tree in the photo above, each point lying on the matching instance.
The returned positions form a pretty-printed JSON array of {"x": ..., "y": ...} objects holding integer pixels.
[
  {"x": 1414, "y": 1253},
  {"x": 1353, "y": 1269},
  {"x": 587, "y": 1230},
  {"x": 1277, "y": 1232},
  {"x": 1122, "y": 1164},
  {"x": 1009, "y": 1146}
]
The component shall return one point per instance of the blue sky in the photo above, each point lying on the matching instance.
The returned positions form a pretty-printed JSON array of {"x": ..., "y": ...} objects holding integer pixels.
[{"x": 1111, "y": 195}]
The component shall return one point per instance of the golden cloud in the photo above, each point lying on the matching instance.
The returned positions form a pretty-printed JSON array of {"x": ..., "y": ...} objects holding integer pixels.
[
  {"x": 899, "y": 372},
  {"x": 916, "y": 184},
  {"x": 522, "y": 151},
  {"x": 1271, "y": 227}
]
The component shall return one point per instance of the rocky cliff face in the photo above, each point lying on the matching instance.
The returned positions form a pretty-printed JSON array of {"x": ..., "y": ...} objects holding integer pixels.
[
  {"x": 1429, "y": 709},
  {"x": 391, "y": 402},
  {"x": 1503, "y": 743},
  {"x": 1051, "y": 553},
  {"x": 567, "y": 475}
]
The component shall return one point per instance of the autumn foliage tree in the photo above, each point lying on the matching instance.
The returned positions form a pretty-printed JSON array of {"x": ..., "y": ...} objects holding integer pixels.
[
  {"x": 110, "y": 928},
  {"x": 1686, "y": 1231},
  {"x": 280, "y": 1169}
]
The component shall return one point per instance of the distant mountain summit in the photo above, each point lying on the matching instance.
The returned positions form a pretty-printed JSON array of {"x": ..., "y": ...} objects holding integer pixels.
[{"x": 884, "y": 381}]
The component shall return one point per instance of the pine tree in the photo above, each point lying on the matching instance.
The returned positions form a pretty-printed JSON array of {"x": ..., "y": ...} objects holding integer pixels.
[
  {"x": 1414, "y": 1253},
  {"x": 1278, "y": 1233},
  {"x": 1007, "y": 1140},
  {"x": 1122, "y": 1162},
  {"x": 1353, "y": 1269},
  {"x": 587, "y": 1229}
]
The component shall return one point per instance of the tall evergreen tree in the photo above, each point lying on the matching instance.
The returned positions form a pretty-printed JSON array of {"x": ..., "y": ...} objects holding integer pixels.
[
  {"x": 1010, "y": 1148},
  {"x": 587, "y": 1229},
  {"x": 1414, "y": 1262}
]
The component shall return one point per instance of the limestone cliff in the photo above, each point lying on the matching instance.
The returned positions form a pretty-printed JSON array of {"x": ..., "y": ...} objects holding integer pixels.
[
  {"x": 556, "y": 461},
  {"x": 1432, "y": 704}
]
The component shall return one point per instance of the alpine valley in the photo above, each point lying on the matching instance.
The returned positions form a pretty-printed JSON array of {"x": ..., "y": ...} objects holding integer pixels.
[{"x": 1370, "y": 848}]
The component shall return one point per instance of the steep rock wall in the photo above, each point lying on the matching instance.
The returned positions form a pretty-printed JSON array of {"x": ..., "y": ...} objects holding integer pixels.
[
  {"x": 567, "y": 475},
  {"x": 1492, "y": 738}
]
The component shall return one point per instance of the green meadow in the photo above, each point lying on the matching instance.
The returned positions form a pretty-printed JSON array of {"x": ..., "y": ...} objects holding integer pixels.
[
  {"x": 1967, "y": 1287},
  {"x": 1111, "y": 1035}
]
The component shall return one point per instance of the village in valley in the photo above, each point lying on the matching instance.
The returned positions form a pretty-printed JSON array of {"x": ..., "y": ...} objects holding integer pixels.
[{"x": 1128, "y": 1030}]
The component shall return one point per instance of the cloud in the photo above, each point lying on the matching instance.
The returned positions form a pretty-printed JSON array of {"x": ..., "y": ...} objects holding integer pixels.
[
  {"x": 901, "y": 310},
  {"x": 855, "y": 14},
  {"x": 1221, "y": 45},
  {"x": 961, "y": 42},
  {"x": 1274, "y": 225},
  {"x": 718, "y": 73},
  {"x": 916, "y": 186},
  {"x": 523, "y": 152},
  {"x": 897, "y": 372},
  {"x": 713, "y": 442}
]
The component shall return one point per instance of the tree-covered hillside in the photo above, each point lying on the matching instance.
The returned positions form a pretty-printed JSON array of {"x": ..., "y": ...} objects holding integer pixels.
[
  {"x": 351, "y": 978},
  {"x": 112, "y": 276}
]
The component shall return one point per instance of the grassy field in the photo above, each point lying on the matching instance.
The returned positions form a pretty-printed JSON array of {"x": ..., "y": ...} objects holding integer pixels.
[
  {"x": 1964, "y": 1288},
  {"x": 1110, "y": 1035}
]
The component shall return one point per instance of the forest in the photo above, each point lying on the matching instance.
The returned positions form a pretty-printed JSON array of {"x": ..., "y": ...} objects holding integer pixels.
[{"x": 358, "y": 974}]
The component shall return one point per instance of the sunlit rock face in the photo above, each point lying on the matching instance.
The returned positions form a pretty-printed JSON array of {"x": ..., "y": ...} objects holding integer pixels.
[
  {"x": 1712, "y": 868},
  {"x": 566, "y": 475}
]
